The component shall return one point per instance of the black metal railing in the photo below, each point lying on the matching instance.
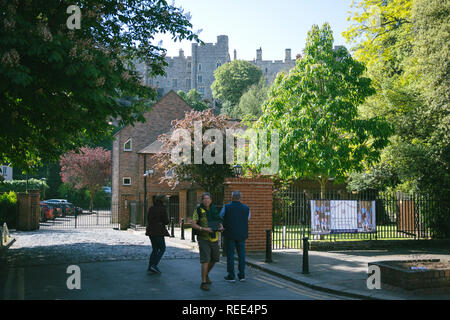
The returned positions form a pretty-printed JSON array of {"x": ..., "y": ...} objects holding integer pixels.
[{"x": 398, "y": 216}]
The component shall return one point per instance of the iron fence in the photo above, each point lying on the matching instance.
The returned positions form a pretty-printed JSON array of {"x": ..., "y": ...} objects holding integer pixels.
[
  {"x": 397, "y": 216},
  {"x": 63, "y": 218}
]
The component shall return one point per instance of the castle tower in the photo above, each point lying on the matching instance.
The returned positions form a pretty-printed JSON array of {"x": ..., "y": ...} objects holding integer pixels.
[
  {"x": 287, "y": 55},
  {"x": 259, "y": 54}
]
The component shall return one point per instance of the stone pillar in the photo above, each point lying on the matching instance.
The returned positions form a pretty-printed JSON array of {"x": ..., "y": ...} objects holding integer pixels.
[
  {"x": 257, "y": 195},
  {"x": 124, "y": 213},
  {"x": 28, "y": 210}
]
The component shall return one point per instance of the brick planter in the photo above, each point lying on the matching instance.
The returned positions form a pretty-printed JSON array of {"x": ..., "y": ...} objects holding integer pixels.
[{"x": 399, "y": 274}]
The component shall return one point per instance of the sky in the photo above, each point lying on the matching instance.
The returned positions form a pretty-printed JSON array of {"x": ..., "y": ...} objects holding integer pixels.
[{"x": 250, "y": 24}]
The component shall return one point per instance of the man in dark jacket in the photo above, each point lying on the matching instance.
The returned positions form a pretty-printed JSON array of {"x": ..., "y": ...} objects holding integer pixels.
[
  {"x": 235, "y": 216},
  {"x": 156, "y": 230}
]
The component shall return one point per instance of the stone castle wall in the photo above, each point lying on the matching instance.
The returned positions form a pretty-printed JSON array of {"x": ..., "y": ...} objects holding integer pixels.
[{"x": 197, "y": 71}]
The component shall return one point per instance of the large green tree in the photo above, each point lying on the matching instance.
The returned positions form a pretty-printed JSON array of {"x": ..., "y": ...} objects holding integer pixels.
[
  {"x": 233, "y": 79},
  {"x": 315, "y": 110},
  {"x": 401, "y": 43},
  {"x": 250, "y": 104},
  {"x": 59, "y": 88},
  {"x": 194, "y": 99}
]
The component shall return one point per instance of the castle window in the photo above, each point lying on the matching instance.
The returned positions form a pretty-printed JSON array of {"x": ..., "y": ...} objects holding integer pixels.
[
  {"x": 201, "y": 90},
  {"x": 188, "y": 83},
  {"x": 266, "y": 70},
  {"x": 199, "y": 67},
  {"x": 189, "y": 65},
  {"x": 168, "y": 83},
  {"x": 200, "y": 79},
  {"x": 128, "y": 145},
  {"x": 218, "y": 64},
  {"x": 175, "y": 83},
  {"x": 126, "y": 181}
]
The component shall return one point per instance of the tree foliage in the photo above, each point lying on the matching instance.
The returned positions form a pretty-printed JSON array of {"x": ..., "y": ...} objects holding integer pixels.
[
  {"x": 250, "y": 104},
  {"x": 194, "y": 99},
  {"x": 59, "y": 88},
  {"x": 88, "y": 168},
  {"x": 315, "y": 109},
  {"x": 209, "y": 176},
  {"x": 409, "y": 67},
  {"x": 232, "y": 79}
]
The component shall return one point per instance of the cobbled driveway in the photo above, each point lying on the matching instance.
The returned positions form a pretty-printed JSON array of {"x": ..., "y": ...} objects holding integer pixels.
[{"x": 86, "y": 245}]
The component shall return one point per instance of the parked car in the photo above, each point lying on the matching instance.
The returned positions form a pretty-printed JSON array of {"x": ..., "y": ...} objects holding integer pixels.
[
  {"x": 47, "y": 212},
  {"x": 62, "y": 206}
]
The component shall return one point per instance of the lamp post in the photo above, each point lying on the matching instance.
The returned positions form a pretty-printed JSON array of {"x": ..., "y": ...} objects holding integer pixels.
[{"x": 237, "y": 170}]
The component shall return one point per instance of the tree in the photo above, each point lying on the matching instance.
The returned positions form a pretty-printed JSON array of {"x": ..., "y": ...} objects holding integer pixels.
[
  {"x": 88, "y": 168},
  {"x": 59, "y": 88},
  {"x": 409, "y": 69},
  {"x": 251, "y": 102},
  {"x": 232, "y": 79},
  {"x": 210, "y": 176},
  {"x": 194, "y": 99},
  {"x": 315, "y": 110}
]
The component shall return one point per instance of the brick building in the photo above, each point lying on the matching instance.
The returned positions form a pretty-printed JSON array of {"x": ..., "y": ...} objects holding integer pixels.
[{"x": 133, "y": 147}]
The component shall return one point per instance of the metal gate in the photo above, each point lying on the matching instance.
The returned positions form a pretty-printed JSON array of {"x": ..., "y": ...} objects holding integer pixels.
[{"x": 63, "y": 218}]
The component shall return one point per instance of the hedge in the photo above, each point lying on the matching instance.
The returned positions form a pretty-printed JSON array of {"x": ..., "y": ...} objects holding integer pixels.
[
  {"x": 8, "y": 209},
  {"x": 21, "y": 185}
]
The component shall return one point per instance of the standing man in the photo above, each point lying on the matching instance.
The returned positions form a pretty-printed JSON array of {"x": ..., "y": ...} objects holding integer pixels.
[
  {"x": 235, "y": 216},
  {"x": 206, "y": 220}
]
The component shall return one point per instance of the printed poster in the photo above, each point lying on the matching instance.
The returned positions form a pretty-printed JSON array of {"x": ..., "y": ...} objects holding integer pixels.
[{"x": 342, "y": 216}]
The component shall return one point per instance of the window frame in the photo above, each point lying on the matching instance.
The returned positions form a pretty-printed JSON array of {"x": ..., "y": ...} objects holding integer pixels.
[
  {"x": 123, "y": 181},
  {"x": 130, "y": 140}
]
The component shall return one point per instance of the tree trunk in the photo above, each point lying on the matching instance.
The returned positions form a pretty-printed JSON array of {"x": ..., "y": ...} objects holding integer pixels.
[
  {"x": 323, "y": 182},
  {"x": 92, "y": 194}
]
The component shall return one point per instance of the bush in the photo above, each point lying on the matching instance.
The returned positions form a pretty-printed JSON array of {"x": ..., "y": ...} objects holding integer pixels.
[
  {"x": 8, "y": 209},
  {"x": 21, "y": 185}
]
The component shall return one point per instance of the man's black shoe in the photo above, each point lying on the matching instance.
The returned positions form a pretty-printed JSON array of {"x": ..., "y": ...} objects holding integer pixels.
[{"x": 230, "y": 279}]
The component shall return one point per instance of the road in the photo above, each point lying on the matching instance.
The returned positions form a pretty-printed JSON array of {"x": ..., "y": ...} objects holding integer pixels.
[{"x": 128, "y": 280}]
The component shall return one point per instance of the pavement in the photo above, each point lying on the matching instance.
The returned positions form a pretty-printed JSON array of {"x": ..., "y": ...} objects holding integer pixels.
[{"x": 342, "y": 272}]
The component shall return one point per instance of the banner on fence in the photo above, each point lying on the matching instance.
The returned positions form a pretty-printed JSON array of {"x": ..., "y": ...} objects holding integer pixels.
[{"x": 342, "y": 216}]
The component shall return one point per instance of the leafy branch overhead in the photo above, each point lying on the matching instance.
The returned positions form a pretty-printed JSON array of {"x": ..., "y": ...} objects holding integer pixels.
[{"x": 60, "y": 88}]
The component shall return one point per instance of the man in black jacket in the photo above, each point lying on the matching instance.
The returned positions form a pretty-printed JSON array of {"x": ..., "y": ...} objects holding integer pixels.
[
  {"x": 235, "y": 216},
  {"x": 156, "y": 231}
]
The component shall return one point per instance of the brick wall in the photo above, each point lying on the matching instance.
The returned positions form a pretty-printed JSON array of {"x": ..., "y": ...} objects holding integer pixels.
[{"x": 257, "y": 194}]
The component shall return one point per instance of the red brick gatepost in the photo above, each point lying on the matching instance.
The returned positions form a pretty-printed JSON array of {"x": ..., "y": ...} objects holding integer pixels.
[
  {"x": 257, "y": 195},
  {"x": 28, "y": 210}
]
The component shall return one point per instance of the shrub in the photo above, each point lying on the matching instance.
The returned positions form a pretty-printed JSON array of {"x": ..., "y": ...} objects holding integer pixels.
[
  {"x": 21, "y": 185},
  {"x": 8, "y": 209}
]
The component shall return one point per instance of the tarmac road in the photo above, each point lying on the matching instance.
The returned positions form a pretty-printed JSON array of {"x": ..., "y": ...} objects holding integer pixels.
[{"x": 128, "y": 280}]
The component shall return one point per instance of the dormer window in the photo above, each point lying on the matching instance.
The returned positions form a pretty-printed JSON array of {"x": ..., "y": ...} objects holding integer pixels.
[{"x": 128, "y": 146}]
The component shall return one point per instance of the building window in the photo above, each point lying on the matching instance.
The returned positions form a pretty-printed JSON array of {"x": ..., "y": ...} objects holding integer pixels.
[
  {"x": 127, "y": 181},
  {"x": 199, "y": 67},
  {"x": 188, "y": 83},
  {"x": 218, "y": 64},
  {"x": 128, "y": 145},
  {"x": 201, "y": 90},
  {"x": 175, "y": 83},
  {"x": 168, "y": 83},
  {"x": 189, "y": 65},
  {"x": 200, "y": 79}
]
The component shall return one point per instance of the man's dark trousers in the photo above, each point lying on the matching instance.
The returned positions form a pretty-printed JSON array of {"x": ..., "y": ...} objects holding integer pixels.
[{"x": 230, "y": 244}]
